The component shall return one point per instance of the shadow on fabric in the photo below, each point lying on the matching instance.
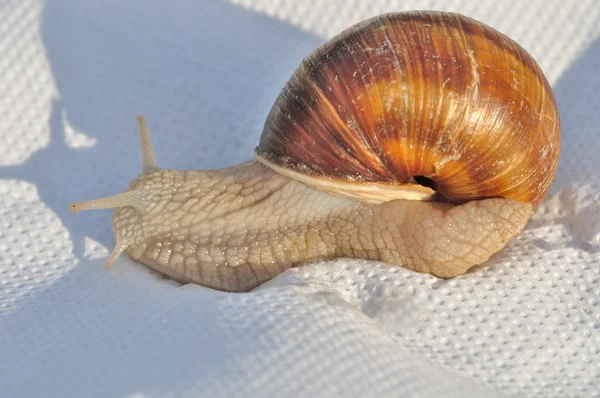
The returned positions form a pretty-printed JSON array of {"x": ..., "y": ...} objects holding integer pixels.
[
  {"x": 577, "y": 94},
  {"x": 205, "y": 75}
]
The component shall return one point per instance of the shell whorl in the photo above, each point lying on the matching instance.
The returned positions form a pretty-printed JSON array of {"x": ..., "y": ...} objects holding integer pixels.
[{"x": 418, "y": 94}]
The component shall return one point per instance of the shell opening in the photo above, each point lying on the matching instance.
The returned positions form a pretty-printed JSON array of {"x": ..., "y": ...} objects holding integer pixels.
[{"x": 426, "y": 182}]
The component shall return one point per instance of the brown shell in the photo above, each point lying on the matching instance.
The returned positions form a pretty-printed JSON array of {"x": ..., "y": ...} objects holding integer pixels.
[{"x": 418, "y": 94}]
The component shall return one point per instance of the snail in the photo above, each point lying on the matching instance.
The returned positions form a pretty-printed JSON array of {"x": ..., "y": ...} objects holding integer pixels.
[{"x": 419, "y": 139}]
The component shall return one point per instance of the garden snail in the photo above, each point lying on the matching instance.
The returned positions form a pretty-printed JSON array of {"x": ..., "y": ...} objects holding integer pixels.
[{"x": 420, "y": 139}]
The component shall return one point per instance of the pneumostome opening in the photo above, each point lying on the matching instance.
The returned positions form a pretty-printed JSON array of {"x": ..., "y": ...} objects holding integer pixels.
[{"x": 426, "y": 182}]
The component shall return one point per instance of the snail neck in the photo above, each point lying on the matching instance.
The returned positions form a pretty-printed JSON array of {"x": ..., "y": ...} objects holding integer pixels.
[{"x": 233, "y": 228}]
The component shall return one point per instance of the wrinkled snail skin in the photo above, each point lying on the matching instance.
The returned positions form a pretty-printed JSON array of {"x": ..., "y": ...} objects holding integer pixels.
[{"x": 397, "y": 100}]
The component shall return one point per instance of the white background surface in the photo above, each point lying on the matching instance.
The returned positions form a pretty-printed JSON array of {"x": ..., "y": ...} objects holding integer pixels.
[{"x": 73, "y": 74}]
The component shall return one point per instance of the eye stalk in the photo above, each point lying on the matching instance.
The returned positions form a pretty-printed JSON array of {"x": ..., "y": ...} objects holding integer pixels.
[
  {"x": 136, "y": 198},
  {"x": 133, "y": 198},
  {"x": 148, "y": 157}
]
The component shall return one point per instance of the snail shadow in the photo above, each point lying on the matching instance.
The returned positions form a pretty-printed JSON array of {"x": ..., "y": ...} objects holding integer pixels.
[
  {"x": 572, "y": 202},
  {"x": 205, "y": 75},
  {"x": 578, "y": 97}
]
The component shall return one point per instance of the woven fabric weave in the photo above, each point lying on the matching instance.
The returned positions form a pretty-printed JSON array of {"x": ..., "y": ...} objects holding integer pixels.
[{"x": 73, "y": 75}]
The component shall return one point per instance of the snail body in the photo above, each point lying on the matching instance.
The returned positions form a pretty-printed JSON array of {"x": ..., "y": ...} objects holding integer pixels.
[{"x": 421, "y": 139}]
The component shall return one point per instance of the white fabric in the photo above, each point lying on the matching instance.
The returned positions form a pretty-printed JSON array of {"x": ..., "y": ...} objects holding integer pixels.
[{"x": 73, "y": 74}]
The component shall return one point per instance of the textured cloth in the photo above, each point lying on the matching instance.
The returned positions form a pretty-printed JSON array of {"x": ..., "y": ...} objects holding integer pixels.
[{"x": 73, "y": 74}]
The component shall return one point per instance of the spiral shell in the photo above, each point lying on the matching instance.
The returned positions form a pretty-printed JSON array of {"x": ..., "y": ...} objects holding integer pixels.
[{"x": 407, "y": 104}]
